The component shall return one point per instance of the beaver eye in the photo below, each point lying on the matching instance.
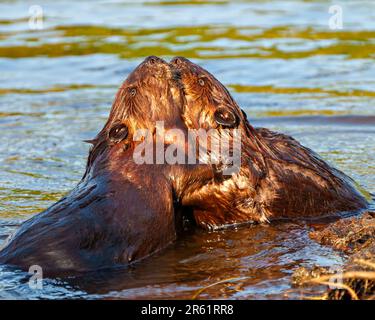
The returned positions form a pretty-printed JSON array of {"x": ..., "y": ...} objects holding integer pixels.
[
  {"x": 201, "y": 82},
  {"x": 118, "y": 132},
  {"x": 225, "y": 118},
  {"x": 133, "y": 91}
]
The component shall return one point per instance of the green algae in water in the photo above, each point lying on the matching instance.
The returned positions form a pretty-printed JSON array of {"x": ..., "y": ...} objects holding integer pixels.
[{"x": 93, "y": 40}]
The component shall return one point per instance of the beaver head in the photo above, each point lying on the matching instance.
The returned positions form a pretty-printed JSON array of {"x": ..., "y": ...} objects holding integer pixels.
[
  {"x": 208, "y": 104},
  {"x": 148, "y": 95}
]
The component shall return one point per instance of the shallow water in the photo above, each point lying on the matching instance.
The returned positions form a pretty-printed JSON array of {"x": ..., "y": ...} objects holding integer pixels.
[{"x": 280, "y": 60}]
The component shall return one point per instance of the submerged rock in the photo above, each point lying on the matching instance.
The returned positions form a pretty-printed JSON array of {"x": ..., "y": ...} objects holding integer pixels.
[
  {"x": 349, "y": 235},
  {"x": 356, "y": 237},
  {"x": 302, "y": 276}
]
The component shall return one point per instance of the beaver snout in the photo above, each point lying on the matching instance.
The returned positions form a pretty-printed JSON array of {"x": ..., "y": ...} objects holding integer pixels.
[
  {"x": 184, "y": 65},
  {"x": 156, "y": 66},
  {"x": 179, "y": 61},
  {"x": 153, "y": 60}
]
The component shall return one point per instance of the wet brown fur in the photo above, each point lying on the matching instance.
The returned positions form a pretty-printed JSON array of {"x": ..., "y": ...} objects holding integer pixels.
[
  {"x": 279, "y": 178},
  {"x": 120, "y": 212}
]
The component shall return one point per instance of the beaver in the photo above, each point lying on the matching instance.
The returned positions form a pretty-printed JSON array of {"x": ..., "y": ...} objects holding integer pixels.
[
  {"x": 278, "y": 177},
  {"x": 121, "y": 211}
]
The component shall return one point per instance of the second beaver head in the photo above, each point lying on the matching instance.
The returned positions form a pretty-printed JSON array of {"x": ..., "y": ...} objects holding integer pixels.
[{"x": 208, "y": 103}]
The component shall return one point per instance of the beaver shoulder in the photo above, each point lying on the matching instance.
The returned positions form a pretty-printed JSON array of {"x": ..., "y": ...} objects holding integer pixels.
[
  {"x": 302, "y": 183},
  {"x": 103, "y": 222}
]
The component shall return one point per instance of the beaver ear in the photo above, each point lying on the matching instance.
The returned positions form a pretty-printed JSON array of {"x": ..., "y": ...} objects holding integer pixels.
[
  {"x": 226, "y": 118},
  {"x": 118, "y": 132}
]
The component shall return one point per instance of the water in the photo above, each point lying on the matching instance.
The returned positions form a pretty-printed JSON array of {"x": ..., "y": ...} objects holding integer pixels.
[{"x": 280, "y": 60}]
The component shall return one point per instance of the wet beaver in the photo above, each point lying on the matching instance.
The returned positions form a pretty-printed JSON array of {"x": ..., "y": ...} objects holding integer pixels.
[
  {"x": 278, "y": 178},
  {"x": 120, "y": 211}
]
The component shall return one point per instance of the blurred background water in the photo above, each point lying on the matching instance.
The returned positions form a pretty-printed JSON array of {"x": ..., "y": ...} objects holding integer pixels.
[{"x": 280, "y": 59}]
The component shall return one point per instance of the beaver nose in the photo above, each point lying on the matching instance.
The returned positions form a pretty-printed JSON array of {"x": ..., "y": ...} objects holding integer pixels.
[
  {"x": 153, "y": 60},
  {"x": 178, "y": 60}
]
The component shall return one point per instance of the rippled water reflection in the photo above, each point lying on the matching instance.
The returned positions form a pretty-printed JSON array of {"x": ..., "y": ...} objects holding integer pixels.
[{"x": 284, "y": 66}]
